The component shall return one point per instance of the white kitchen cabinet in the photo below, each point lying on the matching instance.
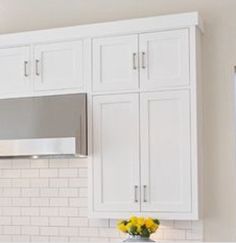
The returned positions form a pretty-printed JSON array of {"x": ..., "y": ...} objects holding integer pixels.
[
  {"x": 58, "y": 66},
  {"x": 14, "y": 70},
  {"x": 142, "y": 79},
  {"x": 159, "y": 61},
  {"x": 165, "y": 152},
  {"x": 116, "y": 153},
  {"x": 115, "y": 63},
  {"x": 164, "y": 59},
  {"x": 168, "y": 126}
]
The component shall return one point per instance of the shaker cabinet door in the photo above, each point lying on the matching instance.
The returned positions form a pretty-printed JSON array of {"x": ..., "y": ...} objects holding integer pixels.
[
  {"x": 165, "y": 152},
  {"x": 116, "y": 153},
  {"x": 15, "y": 70},
  {"x": 115, "y": 63},
  {"x": 164, "y": 59},
  {"x": 58, "y": 66}
]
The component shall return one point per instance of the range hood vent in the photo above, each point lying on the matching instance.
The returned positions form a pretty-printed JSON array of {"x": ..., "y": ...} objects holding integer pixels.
[{"x": 48, "y": 126}]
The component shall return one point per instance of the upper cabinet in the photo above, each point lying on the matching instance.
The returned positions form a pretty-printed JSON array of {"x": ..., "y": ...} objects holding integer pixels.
[
  {"x": 35, "y": 69},
  {"x": 164, "y": 58},
  {"x": 115, "y": 63},
  {"x": 14, "y": 70},
  {"x": 147, "y": 61},
  {"x": 58, "y": 66}
]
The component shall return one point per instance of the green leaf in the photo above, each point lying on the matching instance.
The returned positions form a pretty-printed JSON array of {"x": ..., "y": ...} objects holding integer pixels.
[
  {"x": 145, "y": 233},
  {"x": 133, "y": 230},
  {"x": 156, "y": 221}
]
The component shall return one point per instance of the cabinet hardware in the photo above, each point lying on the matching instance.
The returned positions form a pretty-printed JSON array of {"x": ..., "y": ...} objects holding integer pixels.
[
  {"x": 134, "y": 61},
  {"x": 135, "y": 193},
  {"x": 25, "y": 68},
  {"x": 143, "y": 60},
  {"x": 144, "y": 193},
  {"x": 37, "y": 67}
]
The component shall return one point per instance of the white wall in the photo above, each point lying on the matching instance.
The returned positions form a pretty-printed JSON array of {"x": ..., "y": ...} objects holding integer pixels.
[{"x": 219, "y": 57}]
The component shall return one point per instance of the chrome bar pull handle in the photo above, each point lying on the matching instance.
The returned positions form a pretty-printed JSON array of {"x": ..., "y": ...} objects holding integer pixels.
[
  {"x": 144, "y": 193},
  {"x": 37, "y": 67},
  {"x": 143, "y": 60},
  {"x": 26, "y": 74},
  {"x": 135, "y": 193},
  {"x": 134, "y": 61}
]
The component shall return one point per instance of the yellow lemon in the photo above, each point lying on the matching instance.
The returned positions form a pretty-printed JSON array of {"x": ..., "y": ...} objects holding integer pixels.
[
  {"x": 133, "y": 220},
  {"x": 128, "y": 226},
  {"x": 149, "y": 223},
  {"x": 153, "y": 228},
  {"x": 140, "y": 221},
  {"x": 122, "y": 228}
]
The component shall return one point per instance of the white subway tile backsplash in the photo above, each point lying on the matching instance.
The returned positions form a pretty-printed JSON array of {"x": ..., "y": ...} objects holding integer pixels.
[
  {"x": 30, "y": 192},
  {"x": 89, "y": 232},
  {"x": 68, "y": 231},
  {"x": 83, "y": 212},
  {"x": 83, "y": 172},
  {"x": 47, "y": 211},
  {"x": 77, "y": 221},
  {"x": 78, "y": 182},
  {"x": 40, "y": 221},
  {"x": 170, "y": 234},
  {"x": 20, "y": 201},
  {"x": 58, "y": 221},
  {"x": 5, "y": 183},
  {"x": 70, "y": 212},
  {"x": 11, "y": 230},
  {"x": 10, "y": 173},
  {"x": 5, "y": 164},
  {"x": 30, "y": 230},
  {"x": 21, "y": 238},
  {"x": 48, "y": 173},
  {"x": 47, "y": 200},
  {"x": 68, "y": 192},
  {"x": 39, "y": 163},
  {"x": 20, "y": 163},
  {"x": 37, "y": 182},
  {"x": 11, "y": 211},
  {"x": 39, "y": 239},
  {"x": 20, "y": 183},
  {"x": 49, "y": 231},
  {"x": 5, "y": 220},
  {"x": 100, "y": 223},
  {"x": 78, "y": 202},
  {"x": 108, "y": 232},
  {"x": 20, "y": 220},
  {"x": 59, "y": 163},
  {"x": 49, "y": 192},
  {"x": 68, "y": 173},
  {"x": 29, "y": 211},
  {"x": 39, "y": 201},
  {"x": 29, "y": 173},
  {"x": 59, "y": 202},
  {"x": 11, "y": 192},
  {"x": 58, "y": 182}
]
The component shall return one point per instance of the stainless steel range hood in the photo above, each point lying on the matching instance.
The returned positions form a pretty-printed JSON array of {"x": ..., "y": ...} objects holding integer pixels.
[{"x": 44, "y": 126}]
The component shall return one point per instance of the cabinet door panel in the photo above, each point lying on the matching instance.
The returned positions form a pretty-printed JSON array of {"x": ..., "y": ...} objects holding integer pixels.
[
  {"x": 115, "y": 63},
  {"x": 165, "y": 152},
  {"x": 59, "y": 66},
  {"x": 115, "y": 152},
  {"x": 164, "y": 59},
  {"x": 14, "y": 70}
]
